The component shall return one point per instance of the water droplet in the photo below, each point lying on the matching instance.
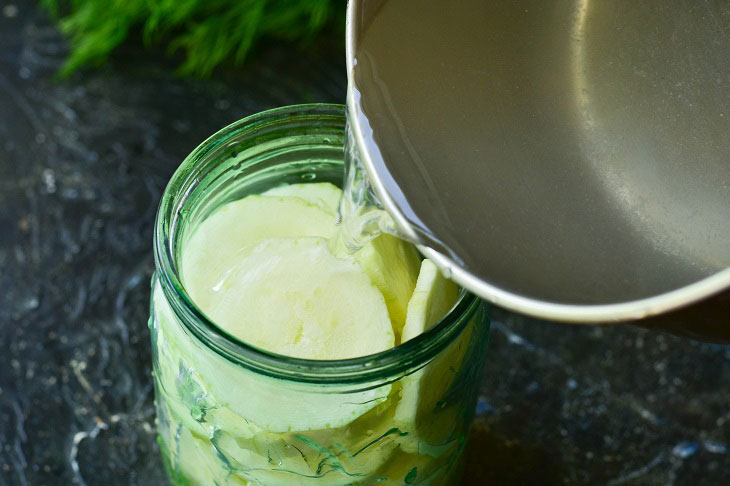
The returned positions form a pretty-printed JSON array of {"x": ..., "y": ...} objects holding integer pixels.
[{"x": 309, "y": 176}]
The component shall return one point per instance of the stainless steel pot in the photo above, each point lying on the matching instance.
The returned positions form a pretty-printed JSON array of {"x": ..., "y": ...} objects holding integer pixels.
[{"x": 672, "y": 91}]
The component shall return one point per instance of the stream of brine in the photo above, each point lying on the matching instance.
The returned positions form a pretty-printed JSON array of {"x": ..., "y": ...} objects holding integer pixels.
[{"x": 360, "y": 217}]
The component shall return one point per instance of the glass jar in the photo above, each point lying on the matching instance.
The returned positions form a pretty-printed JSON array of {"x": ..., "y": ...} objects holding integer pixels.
[{"x": 230, "y": 413}]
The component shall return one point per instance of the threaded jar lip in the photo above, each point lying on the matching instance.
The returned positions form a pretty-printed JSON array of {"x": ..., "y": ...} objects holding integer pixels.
[{"x": 327, "y": 121}]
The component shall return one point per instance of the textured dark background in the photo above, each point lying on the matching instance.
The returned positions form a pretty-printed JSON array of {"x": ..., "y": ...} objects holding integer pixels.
[{"x": 82, "y": 165}]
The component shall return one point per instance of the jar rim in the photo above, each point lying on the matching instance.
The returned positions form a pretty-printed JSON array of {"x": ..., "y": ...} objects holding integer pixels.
[{"x": 390, "y": 363}]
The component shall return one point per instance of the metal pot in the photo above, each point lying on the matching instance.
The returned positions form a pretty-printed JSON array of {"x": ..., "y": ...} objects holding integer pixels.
[{"x": 672, "y": 91}]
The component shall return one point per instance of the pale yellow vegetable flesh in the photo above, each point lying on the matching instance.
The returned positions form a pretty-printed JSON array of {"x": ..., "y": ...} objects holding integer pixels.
[
  {"x": 262, "y": 269},
  {"x": 432, "y": 298},
  {"x": 323, "y": 194},
  {"x": 293, "y": 297},
  {"x": 217, "y": 241},
  {"x": 391, "y": 263},
  {"x": 422, "y": 390}
]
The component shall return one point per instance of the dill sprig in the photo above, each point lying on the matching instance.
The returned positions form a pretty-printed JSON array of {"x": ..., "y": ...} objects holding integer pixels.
[{"x": 208, "y": 31}]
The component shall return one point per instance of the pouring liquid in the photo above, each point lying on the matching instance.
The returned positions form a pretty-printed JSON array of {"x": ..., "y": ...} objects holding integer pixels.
[{"x": 360, "y": 217}]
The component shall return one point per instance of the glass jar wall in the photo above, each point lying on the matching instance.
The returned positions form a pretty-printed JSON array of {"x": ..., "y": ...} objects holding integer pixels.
[{"x": 230, "y": 413}]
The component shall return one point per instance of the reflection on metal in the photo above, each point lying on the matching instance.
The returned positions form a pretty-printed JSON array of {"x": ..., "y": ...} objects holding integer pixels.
[{"x": 646, "y": 120}]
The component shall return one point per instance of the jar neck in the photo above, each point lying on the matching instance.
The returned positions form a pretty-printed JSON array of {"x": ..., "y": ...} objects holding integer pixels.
[{"x": 259, "y": 145}]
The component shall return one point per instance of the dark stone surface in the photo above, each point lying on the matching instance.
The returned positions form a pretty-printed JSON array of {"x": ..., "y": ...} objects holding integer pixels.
[{"x": 82, "y": 166}]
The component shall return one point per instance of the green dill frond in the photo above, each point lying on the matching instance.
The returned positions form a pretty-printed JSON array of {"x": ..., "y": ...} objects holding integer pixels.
[{"x": 208, "y": 31}]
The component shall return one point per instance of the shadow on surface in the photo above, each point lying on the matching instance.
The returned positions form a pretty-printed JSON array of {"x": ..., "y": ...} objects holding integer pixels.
[{"x": 492, "y": 459}]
